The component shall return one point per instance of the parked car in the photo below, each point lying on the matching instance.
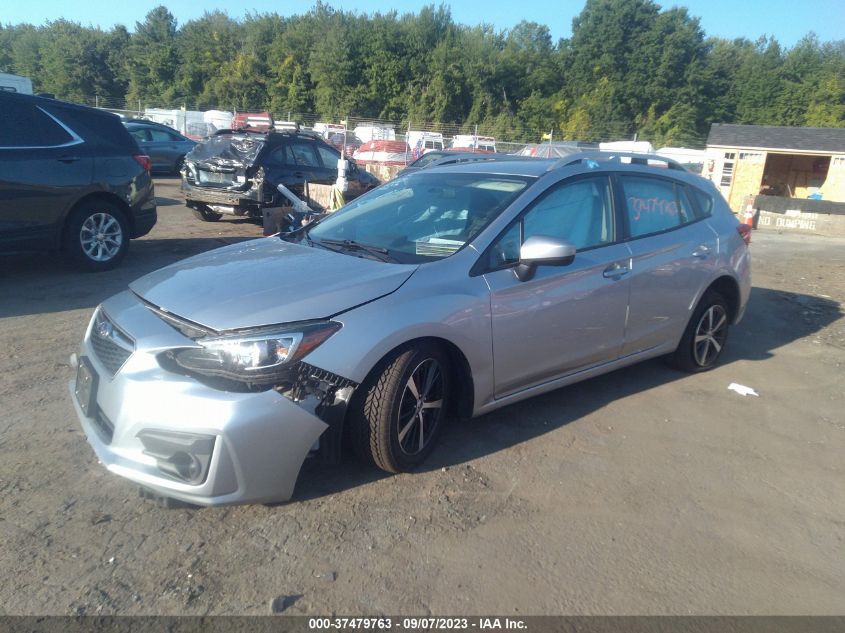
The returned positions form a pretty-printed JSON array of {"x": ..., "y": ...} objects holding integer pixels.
[
  {"x": 452, "y": 291},
  {"x": 164, "y": 145},
  {"x": 72, "y": 179},
  {"x": 439, "y": 158},
  {"x": 238, "y": 173},
  {"x": 352, "y": 142}
]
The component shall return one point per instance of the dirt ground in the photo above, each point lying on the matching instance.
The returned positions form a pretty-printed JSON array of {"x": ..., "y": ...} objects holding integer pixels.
[{"x": 645, "y": 491}]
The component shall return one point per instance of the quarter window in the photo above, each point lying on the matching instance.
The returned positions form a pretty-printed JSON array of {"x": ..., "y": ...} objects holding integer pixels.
[
  {"x": 704, "y": 202},
  {"x": 25, "y": 125},
  {"x": 329, "y": 157},
  {"x": 654, "y": 205}
]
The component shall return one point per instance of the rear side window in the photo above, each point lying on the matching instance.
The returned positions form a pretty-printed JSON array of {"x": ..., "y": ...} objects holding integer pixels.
[
  {"x": 703, "y": 202},
  {"x": 103, "y": 129},
  {"x": 654, "y": 205},
  {"x": 328, "y": 156},
  {"x": 26, "y": 125}
]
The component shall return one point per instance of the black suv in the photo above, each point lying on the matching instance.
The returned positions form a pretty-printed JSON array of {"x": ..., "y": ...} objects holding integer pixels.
[
  {"x": 237, "y": 173},
  {"x": 71, "y": 179}
]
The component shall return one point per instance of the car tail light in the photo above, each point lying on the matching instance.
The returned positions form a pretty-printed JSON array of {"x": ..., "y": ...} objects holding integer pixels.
[
  {"x": 143, "y": 161},
  {"x": 744, "y": 232}
]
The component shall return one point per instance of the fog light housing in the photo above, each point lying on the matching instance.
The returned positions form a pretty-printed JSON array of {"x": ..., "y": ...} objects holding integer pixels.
[{"x": 182, "y": 456}]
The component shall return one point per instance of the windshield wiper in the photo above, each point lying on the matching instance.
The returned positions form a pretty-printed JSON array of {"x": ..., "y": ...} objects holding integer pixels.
[{"x": 377, "y": 251}]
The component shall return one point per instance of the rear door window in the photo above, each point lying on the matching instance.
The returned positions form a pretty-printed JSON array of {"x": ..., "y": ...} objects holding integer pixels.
[
  {"x": 142, "y": 135},
  {"x": 304, "y": 154},
  {"x": 654, "y": 205},
  {"x": 162, "y": 136}
]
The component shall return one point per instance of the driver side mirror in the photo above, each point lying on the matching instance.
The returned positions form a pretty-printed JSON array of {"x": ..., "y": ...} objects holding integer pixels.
[{"x": 543, "y": 250}]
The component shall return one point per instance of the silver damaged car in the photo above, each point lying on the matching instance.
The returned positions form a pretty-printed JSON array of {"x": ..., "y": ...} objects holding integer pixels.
[{"x": 449, "y": 292}]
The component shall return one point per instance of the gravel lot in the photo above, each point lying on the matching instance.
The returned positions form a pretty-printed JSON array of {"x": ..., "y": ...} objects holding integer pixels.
[{"x": 644, "y": 491}]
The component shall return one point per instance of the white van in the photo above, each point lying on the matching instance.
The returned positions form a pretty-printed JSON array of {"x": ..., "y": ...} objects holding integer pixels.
[
  {"x": 422, "y": 142},
  {"x": 471, "y": 142},
  {"x": 372, "y": 132},
  {"x": 15, "y": 83},
  {"x": 327, "y": 129}
]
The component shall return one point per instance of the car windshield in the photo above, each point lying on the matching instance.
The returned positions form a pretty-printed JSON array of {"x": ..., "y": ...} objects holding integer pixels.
[
  {"x": 421, "y": 217},
  {"x": 428, "y": 158}
]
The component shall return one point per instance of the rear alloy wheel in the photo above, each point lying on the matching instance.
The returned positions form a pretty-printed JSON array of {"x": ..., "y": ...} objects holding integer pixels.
[
  {"x": 705, "y": 336},
  {"x": 97, "y": 236},
  {"x": 206, "y": 215},
  {"x": 403, "y": 409}
]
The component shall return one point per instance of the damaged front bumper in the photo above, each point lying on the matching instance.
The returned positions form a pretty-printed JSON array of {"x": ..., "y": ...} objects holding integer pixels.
[{"x": 186, "y": 440}]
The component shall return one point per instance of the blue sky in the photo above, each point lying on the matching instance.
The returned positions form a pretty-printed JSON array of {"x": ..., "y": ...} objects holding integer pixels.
[{"x": 787, "y": 20}]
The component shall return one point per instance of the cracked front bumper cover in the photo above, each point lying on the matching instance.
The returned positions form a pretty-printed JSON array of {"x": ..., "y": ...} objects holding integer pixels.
[{"x": 260, "y": 438}]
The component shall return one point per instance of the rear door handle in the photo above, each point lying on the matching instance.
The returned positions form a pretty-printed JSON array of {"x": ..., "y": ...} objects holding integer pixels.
[
  {"x": 615, "y": 271},
  {"x": 702, "y": 251},
  {"x": 68, "y": 159}
]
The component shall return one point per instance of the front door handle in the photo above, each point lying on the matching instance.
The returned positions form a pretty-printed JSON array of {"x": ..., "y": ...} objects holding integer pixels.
[
  {"x": 702, "y": 251},
  {"x": 615, "y": 271}
]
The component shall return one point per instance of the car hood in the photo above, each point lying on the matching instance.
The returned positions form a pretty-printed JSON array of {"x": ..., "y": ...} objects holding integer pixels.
[{"x": 267, "y": 281}]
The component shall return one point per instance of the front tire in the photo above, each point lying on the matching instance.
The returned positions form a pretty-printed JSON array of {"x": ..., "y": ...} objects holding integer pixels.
[
  {"x": 402, "y": 413},
  {"x": 705, "y": 336},
  {"x": 96, "y": 237}
]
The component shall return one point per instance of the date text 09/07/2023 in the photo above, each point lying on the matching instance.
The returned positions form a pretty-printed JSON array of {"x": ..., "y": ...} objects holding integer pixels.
[{"x": 414, "y": 624}]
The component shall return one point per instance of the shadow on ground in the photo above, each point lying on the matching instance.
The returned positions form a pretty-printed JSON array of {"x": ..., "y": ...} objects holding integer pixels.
[
  {"x": 42, "y": 283},
  {"x": 773, "y": 319}
]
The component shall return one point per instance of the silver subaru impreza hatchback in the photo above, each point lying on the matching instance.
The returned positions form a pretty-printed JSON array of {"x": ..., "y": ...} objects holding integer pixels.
[{"x": 445, "y": 293}]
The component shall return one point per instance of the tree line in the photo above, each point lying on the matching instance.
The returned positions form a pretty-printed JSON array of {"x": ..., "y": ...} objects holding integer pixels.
[{"x": 630, "y": 67}]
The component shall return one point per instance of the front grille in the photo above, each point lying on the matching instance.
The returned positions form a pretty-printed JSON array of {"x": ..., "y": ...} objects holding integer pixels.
[{"x": 111, "y": 346}]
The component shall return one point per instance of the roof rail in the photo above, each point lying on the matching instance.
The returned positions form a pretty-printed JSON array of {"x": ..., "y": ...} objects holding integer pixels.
[
  {"x": 477, "y": 157},
  {"x": 616, "y": 157}
]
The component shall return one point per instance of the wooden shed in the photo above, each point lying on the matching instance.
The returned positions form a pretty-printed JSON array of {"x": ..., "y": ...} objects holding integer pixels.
[{"x": 798, "y": 168}]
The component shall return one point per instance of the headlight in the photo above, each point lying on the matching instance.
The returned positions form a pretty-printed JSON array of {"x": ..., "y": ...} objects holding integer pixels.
[{"x": 260, "y": 357}]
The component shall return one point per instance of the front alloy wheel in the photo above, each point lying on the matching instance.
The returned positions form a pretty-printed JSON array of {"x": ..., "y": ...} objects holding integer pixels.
[
  {"x": 420, "y": 407},
  {"x": 402, "y": 407}
]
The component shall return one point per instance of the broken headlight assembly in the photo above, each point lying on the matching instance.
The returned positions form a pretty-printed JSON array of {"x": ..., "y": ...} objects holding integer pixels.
[{"x": 258, "y": 357}]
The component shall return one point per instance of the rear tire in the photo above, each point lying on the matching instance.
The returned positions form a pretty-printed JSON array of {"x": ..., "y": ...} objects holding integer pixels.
[
  {"x": 206, "y": 215},
  {"x": 705, "y": 335},
  {"x": 403, "y": 408},
  {"x": 96, "y": 236}
]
